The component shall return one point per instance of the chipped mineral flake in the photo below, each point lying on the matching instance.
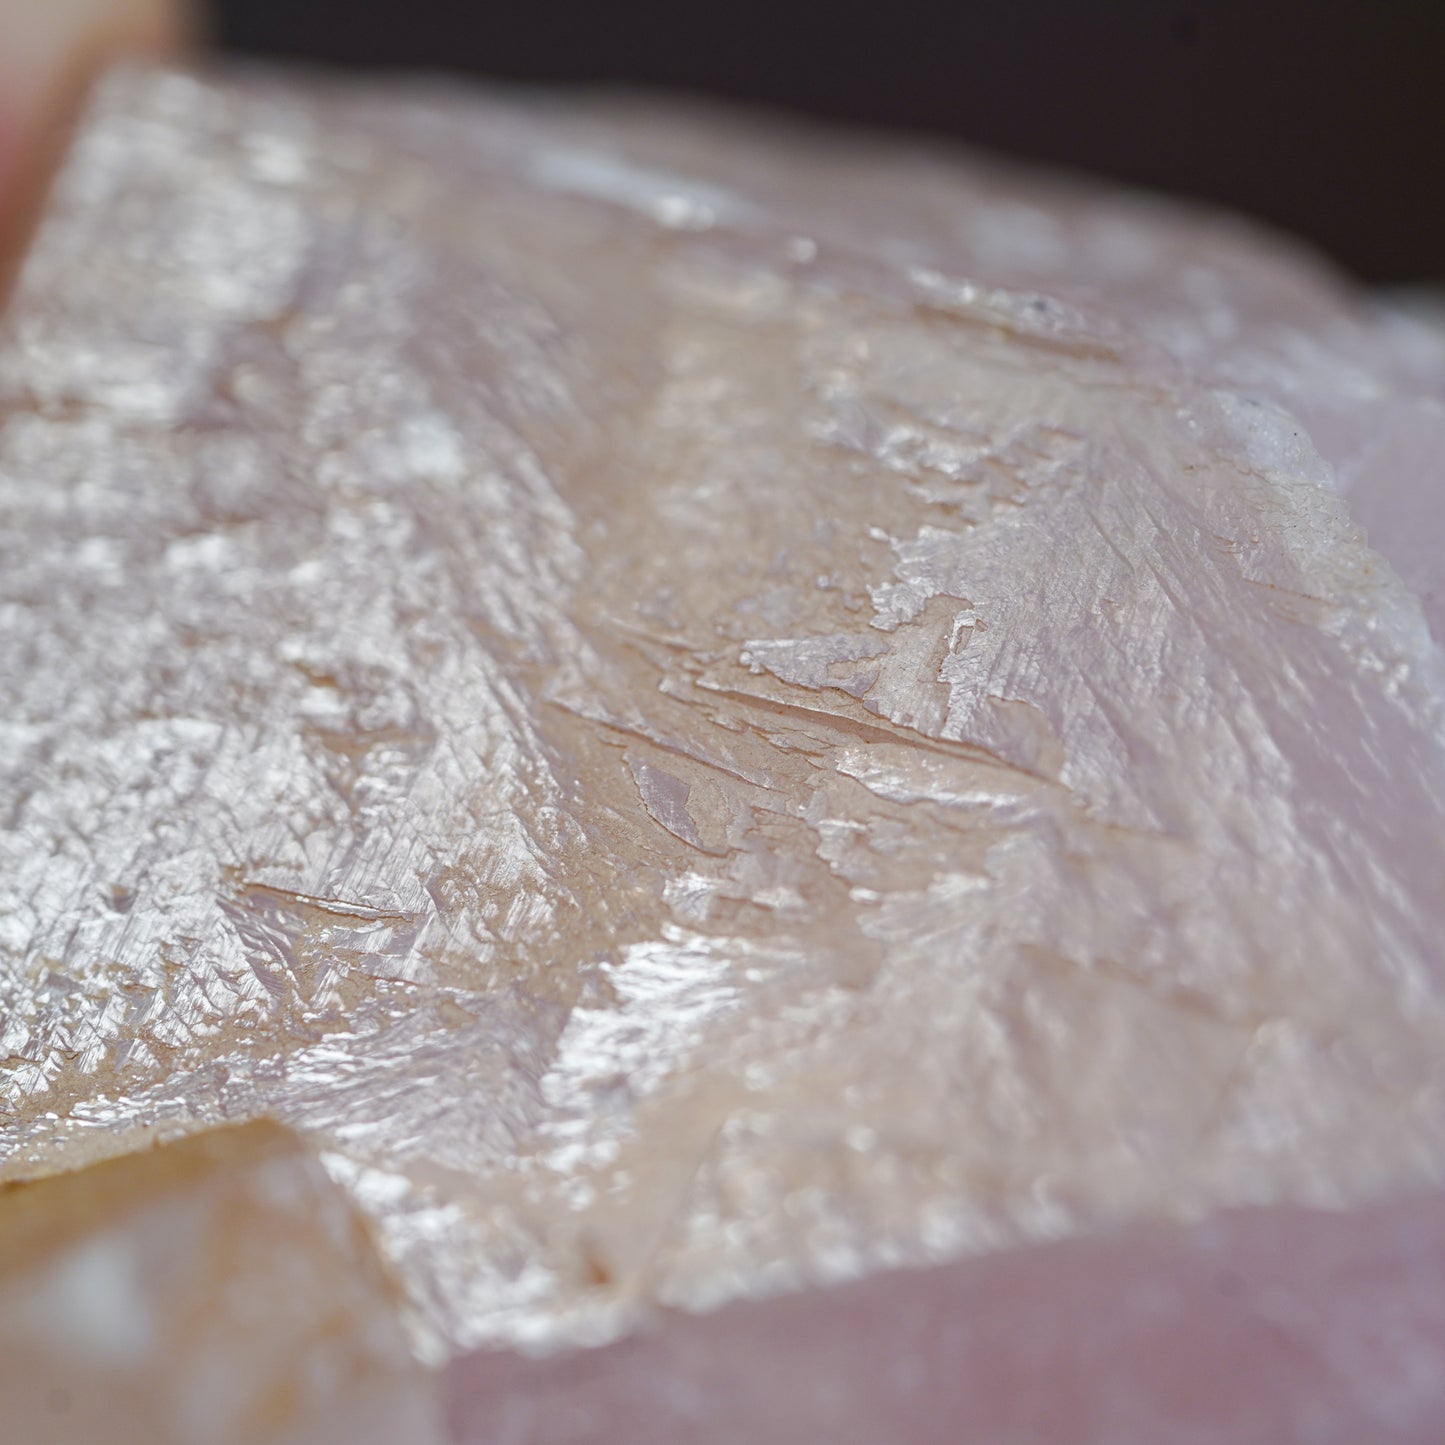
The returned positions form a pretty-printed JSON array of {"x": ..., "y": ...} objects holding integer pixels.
[{"x": 706, "y": 713}]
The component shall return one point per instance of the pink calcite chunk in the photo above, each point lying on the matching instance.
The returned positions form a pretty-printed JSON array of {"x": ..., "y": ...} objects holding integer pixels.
[
  {"x": 712, "y": 712},
  {"x": 1258, "y": 1327}
]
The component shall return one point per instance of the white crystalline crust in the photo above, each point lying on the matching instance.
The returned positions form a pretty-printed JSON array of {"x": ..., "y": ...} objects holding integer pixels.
[{"x": 705, "y": 709}]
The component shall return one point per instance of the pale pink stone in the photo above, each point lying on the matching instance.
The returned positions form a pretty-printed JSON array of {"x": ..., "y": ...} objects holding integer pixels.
[
  {"x": 220, "y": 1291},
  {"x": 1260, "y": 1327}
]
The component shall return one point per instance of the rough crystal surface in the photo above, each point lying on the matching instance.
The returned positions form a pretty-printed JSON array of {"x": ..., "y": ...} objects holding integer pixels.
[{"x": 705, "y": 709}]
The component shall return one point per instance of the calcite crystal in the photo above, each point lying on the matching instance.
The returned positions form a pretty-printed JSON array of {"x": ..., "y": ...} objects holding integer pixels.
[{"x": 709, "y": 711}]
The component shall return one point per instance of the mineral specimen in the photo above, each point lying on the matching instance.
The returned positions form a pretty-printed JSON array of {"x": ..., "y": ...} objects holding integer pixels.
[{"x": 710, "y": 711}]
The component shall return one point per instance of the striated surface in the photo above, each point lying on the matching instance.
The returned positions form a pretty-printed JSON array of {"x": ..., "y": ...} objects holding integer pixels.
[
  {"x": 218, "y": 1291},
  {"x": 703, "y": 710}
]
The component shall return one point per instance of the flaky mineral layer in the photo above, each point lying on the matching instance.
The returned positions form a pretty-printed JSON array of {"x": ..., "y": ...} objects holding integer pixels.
[{"x": 702, "y": 708}]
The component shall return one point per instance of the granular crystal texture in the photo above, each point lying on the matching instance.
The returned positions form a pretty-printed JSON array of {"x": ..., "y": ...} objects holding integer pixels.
[{"x": 707, "y": 710}]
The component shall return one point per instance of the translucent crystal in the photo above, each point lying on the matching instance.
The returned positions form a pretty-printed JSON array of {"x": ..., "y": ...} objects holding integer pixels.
[{"x": 707, "y": 709}]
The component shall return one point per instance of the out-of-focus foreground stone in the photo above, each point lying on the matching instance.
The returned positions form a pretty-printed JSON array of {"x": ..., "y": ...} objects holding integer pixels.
[
  {"x": 219, "y": 1291},
  {"x": 709, "y": 711}
]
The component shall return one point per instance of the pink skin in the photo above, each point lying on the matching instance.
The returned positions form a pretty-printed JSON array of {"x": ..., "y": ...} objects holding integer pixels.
[{"x": 9, "y": 144}]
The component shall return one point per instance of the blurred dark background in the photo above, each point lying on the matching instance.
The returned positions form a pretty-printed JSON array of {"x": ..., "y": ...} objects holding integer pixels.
[{"x": 1326, "y": 118}]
